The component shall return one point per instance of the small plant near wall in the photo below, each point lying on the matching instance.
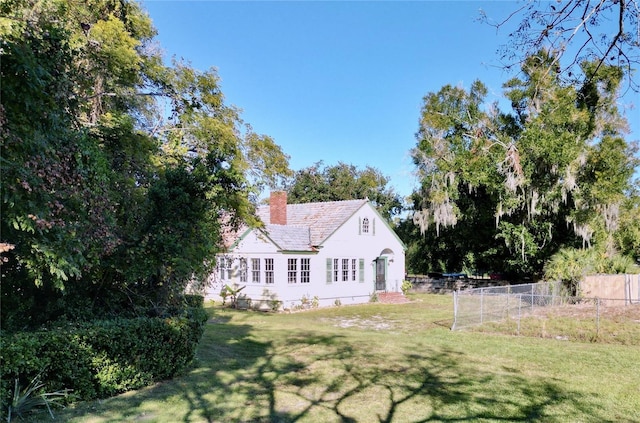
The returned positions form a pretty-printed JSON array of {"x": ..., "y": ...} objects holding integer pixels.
[
  {"x": 337, "y": 302},
  {"x": 232, "y": 294},
  {"x": 305, "y": 302},
  {"x": 26, "y": 400},
  {"x": 406, "y": 287},
  {"x": 315, "y": 302},
  {"x": 274, "y": 305},
  {"x": 374, "y": 298}
]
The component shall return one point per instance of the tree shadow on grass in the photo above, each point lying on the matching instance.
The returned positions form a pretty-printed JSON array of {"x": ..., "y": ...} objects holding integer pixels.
[{"x": 312, "y": 376}]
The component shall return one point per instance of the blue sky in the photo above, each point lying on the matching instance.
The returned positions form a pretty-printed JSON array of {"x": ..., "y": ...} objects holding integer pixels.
[{"x": 340, "y": 81}]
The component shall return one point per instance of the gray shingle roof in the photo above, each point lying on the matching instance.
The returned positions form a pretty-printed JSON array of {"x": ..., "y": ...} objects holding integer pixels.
[
  {"x": 310, "y": 223},
  {"x": 289, "y": 237}
]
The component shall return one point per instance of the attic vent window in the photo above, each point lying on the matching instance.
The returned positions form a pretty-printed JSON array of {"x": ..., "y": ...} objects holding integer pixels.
[{"x": 365, "y": 225}]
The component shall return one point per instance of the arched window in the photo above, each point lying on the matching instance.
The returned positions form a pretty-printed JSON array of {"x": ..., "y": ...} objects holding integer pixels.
[{"x": 365, "y": 225}]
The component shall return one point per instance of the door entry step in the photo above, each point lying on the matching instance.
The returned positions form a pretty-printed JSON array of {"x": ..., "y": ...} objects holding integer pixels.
[{"x": 392, "y": 298}]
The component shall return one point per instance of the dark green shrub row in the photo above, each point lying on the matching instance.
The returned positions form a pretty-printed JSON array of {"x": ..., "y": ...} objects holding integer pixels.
[{"x": 102, "y": 358}]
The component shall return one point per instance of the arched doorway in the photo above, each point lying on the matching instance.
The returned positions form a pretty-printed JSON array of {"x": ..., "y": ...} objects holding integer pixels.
[{"x": 381, "y": 265}]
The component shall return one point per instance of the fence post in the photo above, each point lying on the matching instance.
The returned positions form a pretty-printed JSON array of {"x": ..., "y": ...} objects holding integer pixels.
[
  {"x": 531, "y": 297},
  {"x": 597, "y": 317},
  {"x": 455, "y": 309},
  {"x": 519, "y": 313},
  {"x": 481, "y": 305}
]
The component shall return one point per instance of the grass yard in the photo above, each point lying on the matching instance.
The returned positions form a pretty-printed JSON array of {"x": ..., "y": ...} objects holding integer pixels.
[{"x": 381, "y": 363}]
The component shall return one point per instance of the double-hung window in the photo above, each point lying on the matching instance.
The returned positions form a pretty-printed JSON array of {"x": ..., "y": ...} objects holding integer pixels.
[
  {"x": 353, "y": 269},
  {"x": 292, "y": 270},
  {"x": 224, "y": 265},
  {"x": 305, "y": 270},
  {"x": 243, "y": 270},
  {"x": 345, "y": 270},
  {"x": 268, "y": 270},
  {"x": 255, "y": 270}
]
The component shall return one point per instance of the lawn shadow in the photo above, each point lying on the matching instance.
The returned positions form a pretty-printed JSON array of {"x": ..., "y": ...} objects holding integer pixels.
[{"x": 242, "y": 375}]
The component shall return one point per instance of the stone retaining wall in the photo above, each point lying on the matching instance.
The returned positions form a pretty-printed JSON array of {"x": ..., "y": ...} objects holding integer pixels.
[{"x": 426, "y": 284}]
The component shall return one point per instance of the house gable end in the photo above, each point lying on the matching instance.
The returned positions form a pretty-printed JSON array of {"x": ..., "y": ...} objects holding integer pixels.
[
  {"x": 342, "y": 224},
  {"x": 260, "y": 233},
  {"x": 379, "y": 218},
  {"x": 383, "y": 220}
]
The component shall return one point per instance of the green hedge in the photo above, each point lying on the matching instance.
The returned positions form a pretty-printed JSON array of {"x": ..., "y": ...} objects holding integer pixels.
[{"x": 103, "y": 358}]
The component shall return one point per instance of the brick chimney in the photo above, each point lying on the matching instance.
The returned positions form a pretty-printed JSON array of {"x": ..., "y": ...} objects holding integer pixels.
[{"x": 278, "y": 208}]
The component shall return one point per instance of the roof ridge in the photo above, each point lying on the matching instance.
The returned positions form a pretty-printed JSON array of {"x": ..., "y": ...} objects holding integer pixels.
[{"x": 327, "y": 202}]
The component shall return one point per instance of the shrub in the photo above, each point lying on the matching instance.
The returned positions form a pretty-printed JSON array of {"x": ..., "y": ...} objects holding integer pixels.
[
  {"x": 406, "y": 287},
  {"x": 101, "y": 358}
]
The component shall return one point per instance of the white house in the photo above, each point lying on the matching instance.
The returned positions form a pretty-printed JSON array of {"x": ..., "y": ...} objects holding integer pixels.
[{"x": 337, "y": 252}]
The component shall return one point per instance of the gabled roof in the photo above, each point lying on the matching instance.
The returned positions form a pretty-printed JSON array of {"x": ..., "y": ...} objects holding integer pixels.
[{"x": 321, "y": 219}]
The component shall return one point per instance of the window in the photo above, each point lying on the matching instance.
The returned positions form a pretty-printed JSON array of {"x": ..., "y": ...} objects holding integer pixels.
[
  {"x": 365, "y": 225},
  {"x": 243, "y": 270},
  {"x": 292, "y": 270},
  {"x": 345, "y": 270},
  {"x": 255, "y": 270},
  {"x": 305, "y": 270},
  {"x": 268, "y": 270},
  {"x": 353, "y": 269},
  {"x": 221, "y": 266},
  {"x": 225, "y": 268}
]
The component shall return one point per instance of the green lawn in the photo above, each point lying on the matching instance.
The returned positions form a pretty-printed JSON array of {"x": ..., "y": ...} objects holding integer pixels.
[{"x": 381, "y": 363}]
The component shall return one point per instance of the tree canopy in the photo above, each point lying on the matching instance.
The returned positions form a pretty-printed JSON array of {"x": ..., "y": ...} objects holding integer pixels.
[
  {"x": 115, "y": 165},
  {"x": 343, "y": 181},
  {"x": 508, "y": 190},
  {"x": 604, "y": 33}
]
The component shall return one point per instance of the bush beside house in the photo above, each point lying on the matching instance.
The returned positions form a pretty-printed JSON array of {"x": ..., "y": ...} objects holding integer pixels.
[{"x": 102, "y": 358}]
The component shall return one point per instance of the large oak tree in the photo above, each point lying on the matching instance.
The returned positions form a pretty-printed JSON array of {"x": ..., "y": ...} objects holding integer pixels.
[
  {"x": 115, "y": 165},
  {"x": 509, "y": 189}
]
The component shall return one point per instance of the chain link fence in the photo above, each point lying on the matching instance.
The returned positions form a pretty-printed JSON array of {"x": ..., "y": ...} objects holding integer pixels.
[
  {"x": 547, "y": 310},
  {"x": 491, "y": 304}
]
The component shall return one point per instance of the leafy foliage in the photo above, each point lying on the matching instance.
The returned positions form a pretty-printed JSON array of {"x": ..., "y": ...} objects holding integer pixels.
[
  {"x": 26, "y": 400},
  {"x": 344, "y": 182},
  {"x": 103, "y": 358},
  {"x": 116, "y": 167},
  {"x": 502, "y": 189}
]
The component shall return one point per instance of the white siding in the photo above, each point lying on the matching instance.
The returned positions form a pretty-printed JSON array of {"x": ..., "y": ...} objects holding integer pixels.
[{"x": 347, "y": 242}]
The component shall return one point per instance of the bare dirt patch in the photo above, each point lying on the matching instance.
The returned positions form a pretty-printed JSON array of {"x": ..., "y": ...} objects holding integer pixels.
[{"x": 370, "y": 323}]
